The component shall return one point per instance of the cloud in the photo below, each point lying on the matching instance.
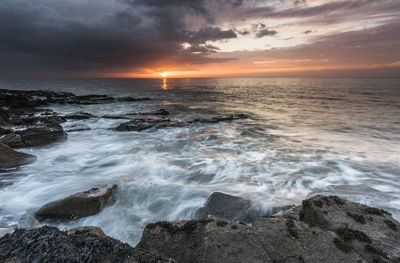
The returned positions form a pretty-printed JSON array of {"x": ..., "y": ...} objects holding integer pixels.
[
  {"x": 55, "y": 37},
  {"x": 266, "y": 32}
]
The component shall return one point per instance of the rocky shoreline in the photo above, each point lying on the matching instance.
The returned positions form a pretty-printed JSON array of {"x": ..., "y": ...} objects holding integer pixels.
[
  {"x": 322, "y": 229},
  {"x": 226, "y": 229}
]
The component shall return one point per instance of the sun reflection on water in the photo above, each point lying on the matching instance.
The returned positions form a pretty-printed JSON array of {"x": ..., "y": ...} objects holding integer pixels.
[{"x": 164, "y": 85}]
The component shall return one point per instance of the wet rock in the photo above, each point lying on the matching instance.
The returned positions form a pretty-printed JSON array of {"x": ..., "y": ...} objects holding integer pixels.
[
  {"x": 4, "y": 131},
  {"x": 269, "y": 240},
  {"x": 228, "y": 207},
  {"x": 145, "y": 124},
  {"x": 88, "y": 244},
  {"x": 163, "y": 112},
  {"x": 10, "y": 158},
  {"x": 41, "y": 135},
  {"x": 203, "y": 241},
  {"x": 141, "y": 124},
  {"x": 220, "y": 118},
  {"x": 13, "y": 140},
  {"x": 321, "y": 230},
  {"x": 4, "y": 184},
  {"x": 78, "y": 205},
  {"x": 77, "y": 128},
  {"x": 79, "y": 116},
  {"x": 131, "y": 99},
  {"x": 35, "y": 98},
  {"x": 360, "y": 228},
  {"x": 233, "y": 208}
]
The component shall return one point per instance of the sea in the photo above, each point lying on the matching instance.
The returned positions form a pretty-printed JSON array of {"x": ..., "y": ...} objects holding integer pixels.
[{"x": 303, "y": 137}]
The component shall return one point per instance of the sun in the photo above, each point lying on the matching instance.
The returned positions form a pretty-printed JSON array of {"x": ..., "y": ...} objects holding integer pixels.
[{"x": 164, "y": 74}]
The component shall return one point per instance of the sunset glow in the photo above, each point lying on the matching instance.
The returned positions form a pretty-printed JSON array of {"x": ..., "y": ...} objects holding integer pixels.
[{"x": 210, "y": 38}]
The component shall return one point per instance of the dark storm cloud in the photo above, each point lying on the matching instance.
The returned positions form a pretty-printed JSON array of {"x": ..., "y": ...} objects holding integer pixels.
[
  {"x": 85, "y": 38},
  {"x": 38, "y": 39}
]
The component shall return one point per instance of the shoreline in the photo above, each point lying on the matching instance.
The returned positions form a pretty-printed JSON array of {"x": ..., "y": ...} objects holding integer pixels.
[{"x": 358, "y": 237}]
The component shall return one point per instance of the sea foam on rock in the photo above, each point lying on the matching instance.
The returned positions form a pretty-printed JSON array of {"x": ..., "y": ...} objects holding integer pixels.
[{"x": 78, "y": 205}]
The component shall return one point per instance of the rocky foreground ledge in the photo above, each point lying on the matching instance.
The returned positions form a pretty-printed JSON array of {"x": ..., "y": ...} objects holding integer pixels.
[{"x": 322, "y": 229}]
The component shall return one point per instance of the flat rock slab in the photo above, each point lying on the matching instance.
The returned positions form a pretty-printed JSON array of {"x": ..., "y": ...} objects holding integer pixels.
[
  {"x": 324, "y": 229},
  {"x": 77, "y": 205},
  {"x": 141, "y": 124},
  {"x": 370, "y": 231},
  {"x": 85, "y": 244},
  {"x": 10, "y": 158},
  {"x": 233, "y": 208}
]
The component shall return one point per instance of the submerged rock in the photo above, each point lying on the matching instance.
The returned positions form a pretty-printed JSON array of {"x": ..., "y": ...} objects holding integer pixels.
[
  {"x": 79, "y": 116},
  {"x": 141, "y": 124},
  {"x": 324, "y": 229},
  {"x": 145, "y": 124},
  {"x": 77, "y": 205},
  {"x": 87, "y": 244},
  {"x": 10, "y": 158},
  {"x": 220, "y": 118},
  {"x": 233, "y": 208}
]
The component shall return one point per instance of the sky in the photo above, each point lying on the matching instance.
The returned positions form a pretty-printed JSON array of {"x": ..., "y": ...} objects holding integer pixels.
[{"x": 199, "y": 38}]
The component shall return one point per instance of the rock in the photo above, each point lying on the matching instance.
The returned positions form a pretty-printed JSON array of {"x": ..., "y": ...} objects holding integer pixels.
[
  {"x": 88, "y": 244},
  {"x": 145, "y": 124},
  {"x": 131, "y": 99},
  {"x": 4, "y": 131},
  {"x": 370, "y": 231},
  {"x": 10, "y": 158},
  {"x": 35, "y": 98},
  {"x": 269, "y": 240},
  {"x": 163, "y": 112},
  {"x": 233, "y": 208},
  {"x": 227, "y": 207},
  {"x": 91, "y": 229},
  {"x": 220, "y": 118},
  {"x": 79, "y": 116},
  {"x": 141, "y": 124},
  {"x": 12, "y": 140},
  {"x": 41, "y": 135},
  {"x": 203, "y": 241},
  {"x": 77, "y": 128},
  {"x": 323, "y": 229},
  {"x": 77, "y": 205}
]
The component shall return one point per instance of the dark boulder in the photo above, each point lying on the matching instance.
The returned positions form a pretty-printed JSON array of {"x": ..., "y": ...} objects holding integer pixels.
[
  {"x": 10, "y": 158},
  {"x": 87, "y": 244},
  {"x": 78, "y": 205},
  {"x": 233, "y": 208}
]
